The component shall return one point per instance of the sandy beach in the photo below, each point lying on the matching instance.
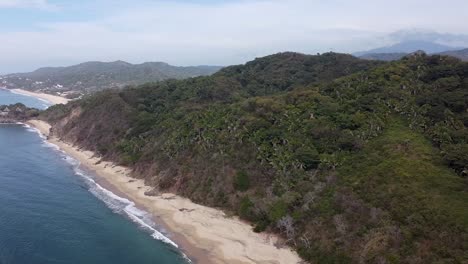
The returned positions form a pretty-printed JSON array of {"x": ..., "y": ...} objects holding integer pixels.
[
  {"x": 204, "y": 233},
  {"x": 54, "y": 99}
]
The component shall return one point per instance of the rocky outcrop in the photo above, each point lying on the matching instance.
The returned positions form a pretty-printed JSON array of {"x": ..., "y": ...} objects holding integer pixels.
[{"x": 16, "y": 113}]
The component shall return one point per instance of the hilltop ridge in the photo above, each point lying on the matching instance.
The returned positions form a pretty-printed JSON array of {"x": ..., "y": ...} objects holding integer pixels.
[
  {"x": 351, "y": 161},
  {"x": 94, "y": 76}
]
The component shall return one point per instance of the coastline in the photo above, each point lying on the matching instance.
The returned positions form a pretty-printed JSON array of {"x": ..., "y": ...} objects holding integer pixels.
[
  {"x": 206, "y": 234},
  {"x": 53, "y": 99}
]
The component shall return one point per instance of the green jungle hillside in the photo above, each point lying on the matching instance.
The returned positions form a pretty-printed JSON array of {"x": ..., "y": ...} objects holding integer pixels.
[{"x": 351, "y": 161}]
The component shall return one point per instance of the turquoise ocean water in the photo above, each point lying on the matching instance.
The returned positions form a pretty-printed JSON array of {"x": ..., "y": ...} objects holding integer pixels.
[{"x": 51, "y": 211}]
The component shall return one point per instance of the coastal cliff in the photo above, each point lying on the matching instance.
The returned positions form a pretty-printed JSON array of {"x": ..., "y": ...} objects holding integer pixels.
[
  {"x": 207, "y": 235},
  {"x": 350, "y": 161}
]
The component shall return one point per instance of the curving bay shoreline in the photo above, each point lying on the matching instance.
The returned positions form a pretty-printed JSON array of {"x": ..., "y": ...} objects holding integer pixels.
[{"x": 54, "y": 99}]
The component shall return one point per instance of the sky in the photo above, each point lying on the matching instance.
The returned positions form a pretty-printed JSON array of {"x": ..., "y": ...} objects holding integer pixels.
[{"x": 38, "y": 33}]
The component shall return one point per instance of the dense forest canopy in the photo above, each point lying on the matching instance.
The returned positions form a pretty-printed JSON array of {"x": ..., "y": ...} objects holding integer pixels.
[{"x": 352, "y": 161}]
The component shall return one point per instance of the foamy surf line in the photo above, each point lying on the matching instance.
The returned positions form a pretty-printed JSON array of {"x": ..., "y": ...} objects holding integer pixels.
[
  {"x": 122, "y": 205},
  {"x": 37, "y": 131},
  {"x": 116, "y": 203}
]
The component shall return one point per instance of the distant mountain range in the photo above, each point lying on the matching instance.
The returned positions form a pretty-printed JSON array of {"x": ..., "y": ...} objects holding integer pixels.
[
  {"x": 408, "y": 47},
  {"x": 461, "y": 54},
  {"x": 92, "y": 76},
  {"x": 401, "y": 49}
]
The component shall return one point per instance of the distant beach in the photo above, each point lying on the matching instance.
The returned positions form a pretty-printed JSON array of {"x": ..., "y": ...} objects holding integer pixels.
[
  {"x": 206, "y": 234},
  {"x": 53, "y": 99}
]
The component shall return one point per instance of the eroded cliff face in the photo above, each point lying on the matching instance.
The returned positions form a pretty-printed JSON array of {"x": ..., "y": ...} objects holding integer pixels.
[
  {"x": 104, "y": 128},
  {"x": 61, "y": 129},
  {"x": 97, "y": 127}
]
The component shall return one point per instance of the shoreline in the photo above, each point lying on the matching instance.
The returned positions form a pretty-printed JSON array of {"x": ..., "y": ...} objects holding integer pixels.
[
  {"x": 205, "y": 234},
  {"x": 195, "y": 255},
  {"x": 52, "y": 99}
]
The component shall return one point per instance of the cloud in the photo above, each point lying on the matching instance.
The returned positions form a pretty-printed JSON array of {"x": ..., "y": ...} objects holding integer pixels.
[
  {"x": 220, "y": 33},
  {"x": 40, "y": 4}
]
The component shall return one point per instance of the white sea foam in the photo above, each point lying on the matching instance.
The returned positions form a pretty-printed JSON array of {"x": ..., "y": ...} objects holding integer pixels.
[
  {"x": 119, "y": 204},
  {"x": 124, "y": 206},
  {"x": 33, "y": 129}
]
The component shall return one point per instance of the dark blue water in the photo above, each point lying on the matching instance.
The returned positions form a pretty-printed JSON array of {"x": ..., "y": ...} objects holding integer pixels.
[
  {"x": 51, "y": 212},
  {"x": 7, "y": 97}
]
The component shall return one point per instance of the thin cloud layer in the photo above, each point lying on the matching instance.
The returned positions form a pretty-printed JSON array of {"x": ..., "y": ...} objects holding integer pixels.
[
  {"x": 214, "y": 32},
  {"x": 40, "y": 4}
]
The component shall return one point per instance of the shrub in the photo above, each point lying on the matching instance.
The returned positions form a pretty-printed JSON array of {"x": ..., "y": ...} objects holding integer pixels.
[
  {"x": 241, "y": 181},
  {"x": 277, "y": 210},
  {"x": 244, "y": 208}
]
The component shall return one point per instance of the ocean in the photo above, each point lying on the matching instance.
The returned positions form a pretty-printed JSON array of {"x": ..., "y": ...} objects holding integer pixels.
[
  {"x": 52, "y": 211},
  {"x": 7, "y": 97}
]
